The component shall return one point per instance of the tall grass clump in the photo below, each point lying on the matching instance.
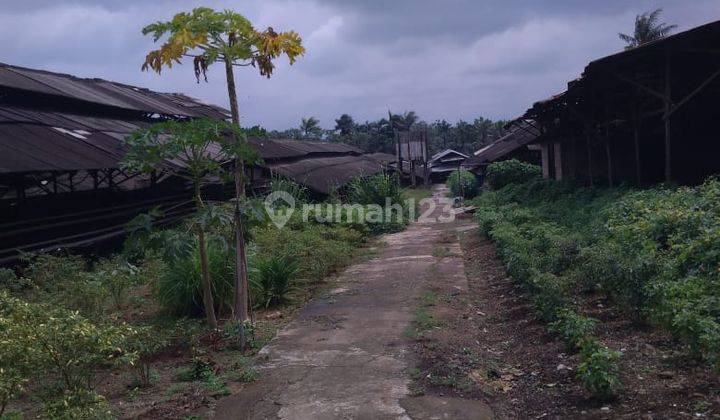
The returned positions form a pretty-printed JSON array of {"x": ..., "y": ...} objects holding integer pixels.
[
  {"x": 379, "y": 191},
  {"x": 179, "y": 288}
]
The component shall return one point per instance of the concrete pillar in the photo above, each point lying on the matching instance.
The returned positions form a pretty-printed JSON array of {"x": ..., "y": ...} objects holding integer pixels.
[{"x": 545, "y": 157}]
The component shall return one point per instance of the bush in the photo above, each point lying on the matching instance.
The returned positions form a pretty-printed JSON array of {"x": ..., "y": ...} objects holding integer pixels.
[
  {"x": 273, "y": 280},
  {"x": 318, "y": 249},
  {"x": 573, "y": 327},
  {"x": 45, "y": 343},
  {"x": 78, "y": 404},
  {"x": 51, "y": 272},
  {"x": 500, "y": 174},
  {"x": 145, "y": 344},
  {"x": 463, "y": 184},
  {"x": 117, "y": 276},
  {"x": 598, "y": 369},
  {"x": 11, "y": 282}
]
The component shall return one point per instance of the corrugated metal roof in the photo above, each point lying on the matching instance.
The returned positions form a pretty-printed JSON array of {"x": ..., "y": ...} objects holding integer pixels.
[
  {"x": 275, "y": 149},
  {"x": 447, "y": 152},
  {"x": 105, "y": 93},
  {"x": 521, "y": 135},
  {"x": 325, "y": 174}
]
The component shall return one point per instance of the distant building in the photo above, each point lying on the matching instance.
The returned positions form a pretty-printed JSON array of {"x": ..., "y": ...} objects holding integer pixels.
[{"x": 443, "y": 163}]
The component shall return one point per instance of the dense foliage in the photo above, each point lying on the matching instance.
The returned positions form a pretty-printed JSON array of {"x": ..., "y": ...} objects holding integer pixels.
[
  {"x": 462, "y": 184},
  {"x": 654, "y": 252},
  {"x": 500, "y": 174}
]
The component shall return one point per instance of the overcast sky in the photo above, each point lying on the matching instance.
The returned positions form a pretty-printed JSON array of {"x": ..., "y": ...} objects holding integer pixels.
[{"x": 452, "y": 59}]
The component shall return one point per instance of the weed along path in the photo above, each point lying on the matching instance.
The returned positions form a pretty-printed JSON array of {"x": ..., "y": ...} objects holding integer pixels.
[{"x": 348, "y": 354}]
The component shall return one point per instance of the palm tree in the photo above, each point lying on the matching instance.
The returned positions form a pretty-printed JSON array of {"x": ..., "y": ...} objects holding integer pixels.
[
  {"x": 310, "y": 128},
  {"x": 648, "y": 28}
]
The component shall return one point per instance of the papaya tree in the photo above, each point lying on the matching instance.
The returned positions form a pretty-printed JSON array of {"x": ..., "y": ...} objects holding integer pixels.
[
  {"x": 200, "y": 147},
  {"x": 208, "y": 37}
]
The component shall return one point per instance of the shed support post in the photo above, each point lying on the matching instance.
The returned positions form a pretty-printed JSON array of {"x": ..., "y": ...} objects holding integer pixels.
[
  {"x": 668, "y": 128},
  {"x": 636, "y": 133},
  {"x": 589, "y": 156},
  {"x": 557, "y": 151}
]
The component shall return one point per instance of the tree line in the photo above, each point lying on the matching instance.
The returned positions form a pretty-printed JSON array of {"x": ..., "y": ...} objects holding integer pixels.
[{"x": 378, "y": 136}]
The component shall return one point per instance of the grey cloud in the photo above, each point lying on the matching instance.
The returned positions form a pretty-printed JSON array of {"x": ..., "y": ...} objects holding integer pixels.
[{"x": 445, "y": 59}]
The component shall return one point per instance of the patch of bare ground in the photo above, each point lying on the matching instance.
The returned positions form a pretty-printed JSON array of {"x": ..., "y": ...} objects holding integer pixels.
[{"x": 487, "y": 344}]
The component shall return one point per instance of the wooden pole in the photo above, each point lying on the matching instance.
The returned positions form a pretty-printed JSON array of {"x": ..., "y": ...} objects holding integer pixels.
[
  {"x": 589, "y": 155},
  {"x": 668, "y": 128},
  {"x": 636, "y": 132},
  {"x": 611, "y": 179}
]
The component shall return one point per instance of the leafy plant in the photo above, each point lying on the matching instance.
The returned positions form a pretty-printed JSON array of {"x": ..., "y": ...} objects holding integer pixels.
[
  {"x": 118, "y": 276},
  {"x": 598, "y": 369},
  {"x": 145, "y": 344},
  {"x": 36, "y": 339},
  {"x": 78, "y": 404},
  {"x": 463, "y": 184},
  {"x": 573, "y": 327}
]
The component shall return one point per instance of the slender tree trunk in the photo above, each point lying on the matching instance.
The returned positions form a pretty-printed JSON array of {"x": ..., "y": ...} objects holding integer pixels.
[
  {"x": 208, "y": 301},
  {"x": 240, "y": 304}
]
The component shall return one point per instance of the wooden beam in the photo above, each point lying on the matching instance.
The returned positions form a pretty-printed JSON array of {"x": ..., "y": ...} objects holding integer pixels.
[
  {"x": 640, "y": 86},
  {"x": 692, "y": 94}
]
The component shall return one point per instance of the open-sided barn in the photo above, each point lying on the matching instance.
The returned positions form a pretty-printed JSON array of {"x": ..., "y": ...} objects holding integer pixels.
[
  {"x": 61, "y": 184},
  {"x": 642, "y": 116}
]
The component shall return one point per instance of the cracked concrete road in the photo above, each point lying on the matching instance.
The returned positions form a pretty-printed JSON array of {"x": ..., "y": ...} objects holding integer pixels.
[{"x": 346, "y": 357}]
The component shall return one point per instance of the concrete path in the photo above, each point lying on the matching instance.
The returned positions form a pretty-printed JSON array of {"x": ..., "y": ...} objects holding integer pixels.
[{"x": 346, "y": 357}]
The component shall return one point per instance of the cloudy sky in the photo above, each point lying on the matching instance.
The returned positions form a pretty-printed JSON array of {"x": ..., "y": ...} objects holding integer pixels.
[{"x": 452, "y": 59}]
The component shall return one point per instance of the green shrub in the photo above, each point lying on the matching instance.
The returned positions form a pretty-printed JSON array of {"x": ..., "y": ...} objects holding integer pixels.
[
  {"x": 573, "y": 327},
  {"x": 273, "y": 280},
  {"x": 179, "y": 289},
  {"x": 145, "y": 344},
  {"x": 50, "y": 272},
  {"x": 117, "y": 276},
  {"x": 500, "y": 174},
  {"x": 598, "y": 369},
  {"x": 49, "y": 343},
  {"x": 318, "y": 249},
  {"x": 11, "y": 282},
  {"x": 78, "y": 404},
  {"x": 462, "y": 184}
]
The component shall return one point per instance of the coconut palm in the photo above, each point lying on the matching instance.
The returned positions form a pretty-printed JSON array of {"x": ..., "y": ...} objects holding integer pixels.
[
  {"x": 310, "y": 128},
  {"x": 648, "y": 28}
]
